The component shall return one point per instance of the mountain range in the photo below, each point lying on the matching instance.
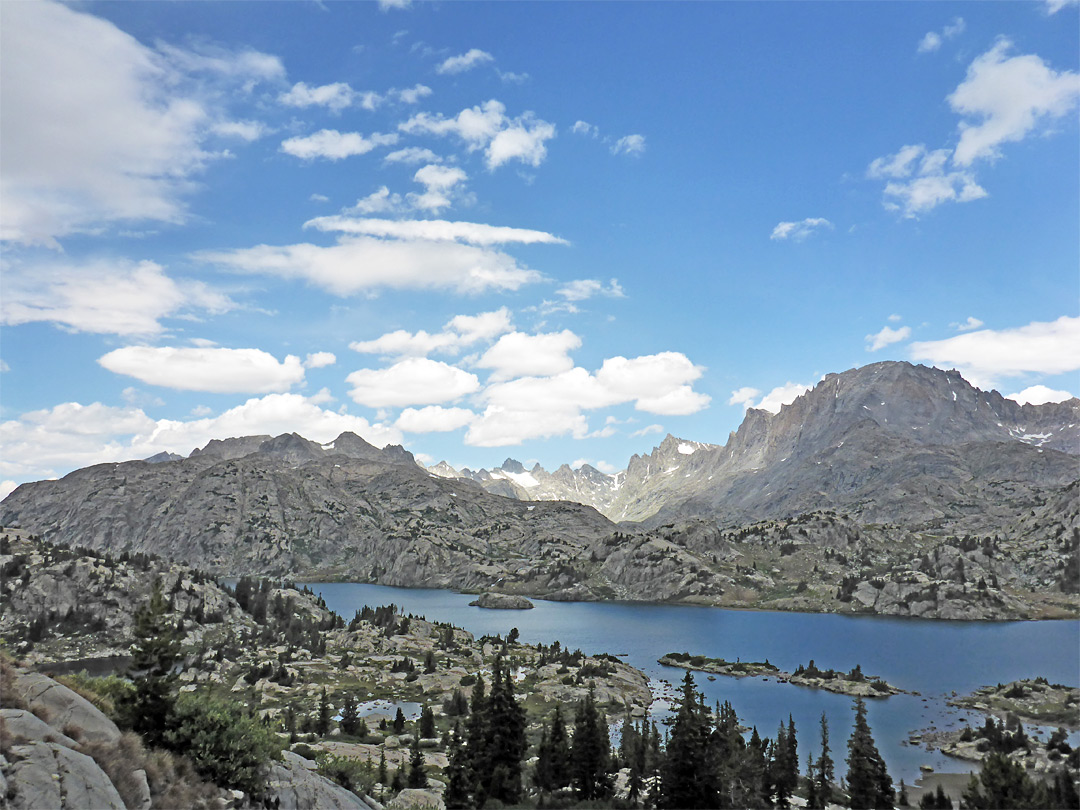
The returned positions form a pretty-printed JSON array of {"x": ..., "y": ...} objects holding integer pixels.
[{"x": 890, "y": 470}]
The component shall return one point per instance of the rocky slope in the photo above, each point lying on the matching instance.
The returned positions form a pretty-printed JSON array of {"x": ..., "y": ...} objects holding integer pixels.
[{"x": 889, "y": 442}]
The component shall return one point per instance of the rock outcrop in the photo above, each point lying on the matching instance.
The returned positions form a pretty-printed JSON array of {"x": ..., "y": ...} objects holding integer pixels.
[{"x": 502, "y": 601}]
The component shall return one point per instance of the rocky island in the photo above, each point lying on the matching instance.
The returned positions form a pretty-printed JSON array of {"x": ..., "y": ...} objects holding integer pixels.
[
  {"x": 502, "y": 601},
  {"x": 1032, "y": 700},
  {"x": 852, "y": 683}
]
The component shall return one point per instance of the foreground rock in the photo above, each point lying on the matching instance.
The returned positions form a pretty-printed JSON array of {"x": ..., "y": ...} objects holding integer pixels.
[{"x": 502, "y": 601}]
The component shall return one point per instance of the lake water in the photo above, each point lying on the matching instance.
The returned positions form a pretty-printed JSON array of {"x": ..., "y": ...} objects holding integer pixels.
[{"x": 934, "y": 658}]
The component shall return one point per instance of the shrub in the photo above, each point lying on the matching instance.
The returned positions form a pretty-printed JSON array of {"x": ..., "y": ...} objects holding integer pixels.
[
  {"x": 352, "y": 774},
  {"x": 226, "y": 745}
]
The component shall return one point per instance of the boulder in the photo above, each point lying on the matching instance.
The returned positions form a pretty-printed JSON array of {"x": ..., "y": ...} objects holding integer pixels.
[
  {"x": 19, "y": 725},
  {"x": 296, "y": 788},
  {"x": 64, "y": 708},
  {"x": 416, "y": 799},
  {"x": 48, "y": 775}
]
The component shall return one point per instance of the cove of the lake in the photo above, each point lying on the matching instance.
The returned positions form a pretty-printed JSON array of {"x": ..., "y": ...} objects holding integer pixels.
[{"x": 934, "y": 658}]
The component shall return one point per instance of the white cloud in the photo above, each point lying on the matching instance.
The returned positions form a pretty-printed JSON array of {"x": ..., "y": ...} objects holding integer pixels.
[
  {"x": 894, "y": 318},
  {"x": 315, "y": 197},
  {"x": 520, "y": 355},
  {"x": 633, "y": 145},
  {"x": 356, "y": 264},
  {"x": 222, "y": 371},
  {"x": 509, "y": 77},
  {"x": 585, "y": 288},
  {"x": 968, "y": 325},
  {"x": 585, "y": 128},
  {"x": 413, "y": 381},
  {"x": 1039, "y": 395},
  {"x": 744, "y": 396},
  {"x": 6, "y": 488},
  {"x": 412, "y": 95},
  {"x": 387, "y": 5},
  {"x": 466, "y": 61},
  {"x": 412, "y": 154},
  {"x": 320, "y": 360},
  {"x": 1054, "y": 6},
  {"x": 933, "y": 40},
  {"x": 780, "y": 396},
  {"x": 433, "y": 419},
  {"x": 930, "y": 42},
  {"x": 333, "y": 145},
  {"x": 244, "y": 130},
  {"x": 987, "y": 355},
  {"x": 1009, "y": 96},
  {"x": 886, "y": 337},
  {"x": 473, "y": 233},
  {"x": 335, "y": 97},
  {"x": 54, "y": 441},
  {"x": 99, "y": 129},
  {"x": 378, "y": 202},
  {"x": 920, "y": 181},
  {"x": 647, "y": 430},
  {"x": 440, "y": 183},
  {"x": 799, "y": 230},
  {"x": 487, "y": 126},
  {"x": 522, "y": 140},
  {"x": 118, "y": 297},
  {"x": 459, "y": 331}
]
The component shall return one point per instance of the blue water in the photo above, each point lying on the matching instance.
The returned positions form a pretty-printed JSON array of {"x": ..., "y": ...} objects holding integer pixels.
[{"x": 934, "y": 658}]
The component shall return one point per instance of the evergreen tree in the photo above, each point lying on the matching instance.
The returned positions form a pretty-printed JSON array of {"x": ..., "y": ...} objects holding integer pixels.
[
  {"x": 685, "y": 770},
  {"x": 935, "y": 800},
  {"x": 476, "y": 741},
  {"x": 153, "y": 654},
  {"x": 399, "y": 721},
  {"x": 458, "y": 785},
  {"x": 323, "y": 719},
  {"x": 826, "y": 770},
  {"x": 869, "y": 785},
  {"x": 417, "y": 774},
  {"x": 902, "y": 797},
  {"x": 350, "y": 716},
  {"x": 506, "y": 737},
  {"x": 553, "y": 765},
  {"x": 427, "y": 723},
  {"x": 590, "y": 752}
]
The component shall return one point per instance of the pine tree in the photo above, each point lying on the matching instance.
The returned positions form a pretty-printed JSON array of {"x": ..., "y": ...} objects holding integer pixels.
[
  {"x": 323, "y": 719},
  {"x": 590, "y": 752},
  {"x": 399, "y": 721},
  {"x": 869, "y": 785},
  {"x": 458, "y": 785},
  {"x": 417, "y": 774},
  {"x": 153, "y": 654},
  {"x": 826, "y": 770},
  {"x": 506, "y": 737},
  {"x": 427, "y": 723},
  {"x": 476, "y": 740},
  {"x": 350, "y": 716},
  {"x": 553, "y": 764},
  {"x": 685, "y": 769}
]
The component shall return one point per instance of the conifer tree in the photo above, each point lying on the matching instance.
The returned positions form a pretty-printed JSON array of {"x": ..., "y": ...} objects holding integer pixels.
[
  {"x": 458, "y": 785},
  {"x": 427, "y": 722},
  {"x": 350, "y": 716},
  {"x": 590, "y": 752},
  {"x": 506, "y": 738},
  {"x": 153, "y": 654},
  {"x": 399, "y": 721},
  {"x": 685, "y": 769},
  {"x": 476, "y": 740},
  {"x": 417, "y": 774},
  {"x": 869, "y": 785},
  {"x": 553, "y": 764},
  {"x": 323, "y": 719},
  {"x": 826, "y": 770}
]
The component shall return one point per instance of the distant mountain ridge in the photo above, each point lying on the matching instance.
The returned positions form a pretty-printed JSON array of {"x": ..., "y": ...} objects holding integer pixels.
[{"x": 888, "y": 442}]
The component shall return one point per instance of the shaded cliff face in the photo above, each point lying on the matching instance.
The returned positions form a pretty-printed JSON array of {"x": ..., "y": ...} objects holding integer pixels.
[{"x": 889, "y": 442}]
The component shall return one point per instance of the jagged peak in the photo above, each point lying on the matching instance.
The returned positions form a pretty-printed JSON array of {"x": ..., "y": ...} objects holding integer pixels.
[{"x": 512, "y": 466}]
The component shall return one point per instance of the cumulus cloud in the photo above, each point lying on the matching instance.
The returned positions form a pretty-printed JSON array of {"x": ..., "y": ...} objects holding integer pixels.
[
  {"x": 412, "y": 154},
  {"x": 633, "y": 145},
  {"x": 460, "y": 331},
  {"x": 333, "y": 145},
  {"x": 540, "y": 407},
  {"x": 473, "y": 233},
  {"x": 222, "y": 371},
  {"x": 97, "y": 128},
  {"x": 1009, "y": 96},
  {"x": 585, "y": 128},
  {"x": 886, "y": 337},
  {"x": 244, "y": 130},
  {"x": 46, "y": 443},
  {"x": 412, "y": 95},
  {"x": 1054, "y": 6},
  {"x": 440, "y": 183},
  {"x": 335, "y": 97},
  {"x": 433, "y": 419},
  {"x": 1039, "y": 395},
  {"x": 968, "y": 325},
  {"x": 320, "y": 360},
  {"x": 380, "y": 201},
  {"x": 744, "y": 396},
  {"x": 987, "y": 355},
  {"x": 780, "y": 396},
  {"x": 799, "y": 230},
  {"x": 117, "y": 297},
  {"x": 487, "y": 127},
  {"x": 362, "y": 263},
  {"x": 933, "y": 40},
  {"x": 1003, "y": 98},
  {"x": 585, "y": 288},
  {"x": 472, "y": 58},
  {"x": 413, "y": 381},
  {"x": 520, "y": 355},
  {"x": 647, "y": 430}
]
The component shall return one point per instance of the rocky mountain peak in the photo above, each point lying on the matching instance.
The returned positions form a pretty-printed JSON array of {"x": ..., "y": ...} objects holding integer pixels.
[
  {"x": 291, "y": 448},
  {"x": 513, "y": 466}
]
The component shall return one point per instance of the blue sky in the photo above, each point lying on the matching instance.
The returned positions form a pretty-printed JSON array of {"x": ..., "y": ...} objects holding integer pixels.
[{"x": 551, "y": 231}]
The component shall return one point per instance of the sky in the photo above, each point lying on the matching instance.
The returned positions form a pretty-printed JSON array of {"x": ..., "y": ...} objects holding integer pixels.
[{"x": 548, "y": 231}]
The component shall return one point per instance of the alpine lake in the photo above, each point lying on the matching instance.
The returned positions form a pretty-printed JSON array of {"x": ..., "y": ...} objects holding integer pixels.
[{"x": 932, "y": 660}]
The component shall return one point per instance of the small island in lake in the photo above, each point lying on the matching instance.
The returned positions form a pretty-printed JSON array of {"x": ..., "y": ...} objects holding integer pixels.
[
  {"x": 853, "y": 683},
  {"x": 1034, "y": 701},
  {"x": 502, "y": 601}
]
